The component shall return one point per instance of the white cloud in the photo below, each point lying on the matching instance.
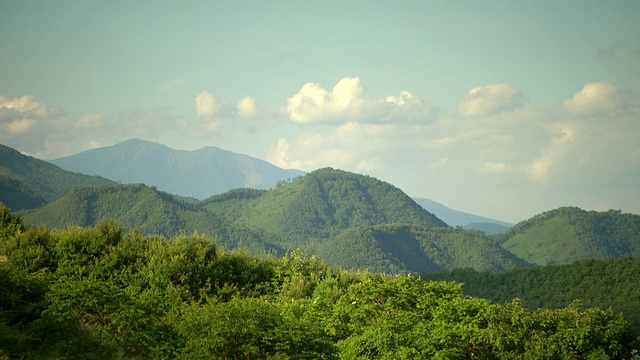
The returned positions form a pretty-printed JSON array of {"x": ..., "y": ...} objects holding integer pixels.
[
  {"x": 25, "y": 105},
  {"x": 346, "y": 102},
  {"x": 599, "y": 98},
  {"x": 490, "y": 100},
  {"x": 206, "y": 105},
  {"x": 350, "y": 146},
  {"x": 246, "y": 107}
]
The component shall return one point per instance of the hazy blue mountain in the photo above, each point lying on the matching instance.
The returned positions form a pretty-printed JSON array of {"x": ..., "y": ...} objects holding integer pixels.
[
  {"x": 459, "y": 218},
  {"x": 198, "y": 173},
  {"x": 487, "y": 228}
]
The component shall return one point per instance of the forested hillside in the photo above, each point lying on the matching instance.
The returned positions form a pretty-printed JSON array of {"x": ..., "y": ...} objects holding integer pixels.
[
  {"x": 352, "y": 221},
  {"x": 596, "y": 283},
  {"x": 147, "y": 209},
  {"x": 26, "y": 182},
  {"x": 397, "y": 248},
  {"x": 322, "y": 203},
  {"x": 358, "y": 222},
  {"x": 567, "y": 234},
  {"x": 98, "y": 293}
]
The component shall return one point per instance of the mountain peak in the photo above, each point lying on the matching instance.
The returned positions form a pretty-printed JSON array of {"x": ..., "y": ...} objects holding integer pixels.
[{"x": 196, "y": 173}]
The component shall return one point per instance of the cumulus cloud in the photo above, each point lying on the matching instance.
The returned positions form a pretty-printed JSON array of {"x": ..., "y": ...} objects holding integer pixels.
[
  {"x": 206, "y": 105},
  {"x": 346, "y": 102},
  {"x": 554, "y": 155},
  {"x": 246, "y": 107},
  {"x": 600, "y": 98},
  {"x": 352, "y": 146},
  {"x": 490, "y": 100}
]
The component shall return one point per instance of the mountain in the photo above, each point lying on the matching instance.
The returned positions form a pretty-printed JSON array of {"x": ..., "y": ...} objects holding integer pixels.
[
  {"x": 466, "y": 220},
  {"x": 321, "y": 204},
  {"x": 488, "y": 228},
  {"x": 402, "y": 248},
  {"x": 198, "y": 173},
  {"x": 567, "y": 234},
  {"x": 145, "y": 208},
  {"x": 358, "y": 222},
  {"x": 27, "y": 182}
]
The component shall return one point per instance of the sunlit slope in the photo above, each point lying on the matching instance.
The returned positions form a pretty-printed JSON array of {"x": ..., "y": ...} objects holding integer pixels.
[
  {"x": 151, "y": 211},
  {"x": 358, "y": 222},
  {"x": 322, "y": 203},
  {"x": 567, "y": 234}
]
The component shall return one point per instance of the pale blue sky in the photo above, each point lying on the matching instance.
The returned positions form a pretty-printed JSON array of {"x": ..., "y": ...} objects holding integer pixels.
[{"x": 551, "y": 76}]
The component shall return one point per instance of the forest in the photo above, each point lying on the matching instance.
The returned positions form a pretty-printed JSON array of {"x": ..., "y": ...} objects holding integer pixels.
[
  {"x": 99, "y": 292},
  {"x": 596, "y": 283}
]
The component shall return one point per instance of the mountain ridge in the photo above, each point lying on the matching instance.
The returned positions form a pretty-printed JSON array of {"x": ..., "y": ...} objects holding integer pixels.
[
  {"x": 197, "y": 173},
  {"x": 463, "y": 219}
]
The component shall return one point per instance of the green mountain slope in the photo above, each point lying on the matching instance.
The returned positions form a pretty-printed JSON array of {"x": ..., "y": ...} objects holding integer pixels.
[
  {"x": 567, "y": 234},
  {"x": 152, "y": 211},
  {"x": 322, "y": 204},
  {"x": 607, "y": 283},
  {"x": 26, "y": 182},
  {"x": 395, "y": 248},
  {"x": 358, "y": 222}
]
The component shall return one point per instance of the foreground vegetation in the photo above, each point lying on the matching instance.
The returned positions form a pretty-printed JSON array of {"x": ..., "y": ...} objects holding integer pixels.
[{"x": 96, "y": 292}]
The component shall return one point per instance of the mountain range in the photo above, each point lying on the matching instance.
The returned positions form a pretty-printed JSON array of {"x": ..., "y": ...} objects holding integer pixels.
[
  {"x": 198, "y": 173},
  {"x": 349, "y": 220},
  {"x": 211, "y": 171}
]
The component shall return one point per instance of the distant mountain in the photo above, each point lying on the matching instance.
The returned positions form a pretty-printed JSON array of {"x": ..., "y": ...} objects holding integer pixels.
[
  {"x": 567, "y": 234},
  {"x": 26, "y": 182},
  {"x": 149, "y": 210},
  {"x": 459, "y": 218},
  {"x": 198, "y": 173},
  {"x": 487, "y": 228}
]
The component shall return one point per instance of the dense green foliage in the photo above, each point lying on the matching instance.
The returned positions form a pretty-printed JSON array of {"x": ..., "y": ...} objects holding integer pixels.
[
  {"x": 26, "y": 182},
  {"x": 598, "y": 283},
  {"x": 99, "y": 293},
  {"x": 567, "y": 234}
]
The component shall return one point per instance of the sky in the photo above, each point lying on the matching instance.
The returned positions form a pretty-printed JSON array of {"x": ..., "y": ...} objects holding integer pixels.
[{"x": 503, "y": 109}]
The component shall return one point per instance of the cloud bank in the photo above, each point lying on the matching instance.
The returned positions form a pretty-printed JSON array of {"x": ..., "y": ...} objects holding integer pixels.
[{"x": 582, "y": 146}]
